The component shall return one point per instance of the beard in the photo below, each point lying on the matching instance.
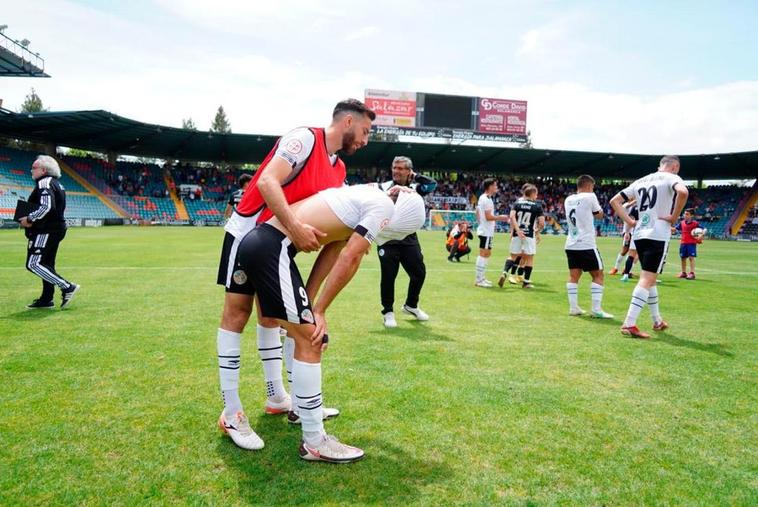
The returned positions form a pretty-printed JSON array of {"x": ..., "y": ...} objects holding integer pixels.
[{"x": 348, "y": 143}]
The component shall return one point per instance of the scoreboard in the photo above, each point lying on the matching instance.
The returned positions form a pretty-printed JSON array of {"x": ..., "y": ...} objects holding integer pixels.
[{"x": 447, "y": 116}]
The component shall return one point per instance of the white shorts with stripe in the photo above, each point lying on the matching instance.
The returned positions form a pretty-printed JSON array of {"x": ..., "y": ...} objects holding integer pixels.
[{"x": 527, "y": 246}]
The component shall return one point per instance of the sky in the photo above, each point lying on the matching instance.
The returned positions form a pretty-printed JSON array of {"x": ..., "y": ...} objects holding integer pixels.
[{"x": 656, "y": 77}]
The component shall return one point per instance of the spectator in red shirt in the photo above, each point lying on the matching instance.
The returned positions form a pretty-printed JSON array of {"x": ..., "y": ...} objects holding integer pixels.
[{"x": 688, "y": 244}]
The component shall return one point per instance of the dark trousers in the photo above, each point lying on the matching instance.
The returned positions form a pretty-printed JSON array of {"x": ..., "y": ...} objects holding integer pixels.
[
  {"x": 40, "y": 260},
  {"x": 390, "y": 258},
  {"x": 457, "y": 253}
]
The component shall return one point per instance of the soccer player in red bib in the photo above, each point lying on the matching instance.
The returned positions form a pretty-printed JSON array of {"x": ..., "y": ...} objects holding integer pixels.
[
  {"x": 688, "y": 244},
  {"x": 303, "y": 162}
]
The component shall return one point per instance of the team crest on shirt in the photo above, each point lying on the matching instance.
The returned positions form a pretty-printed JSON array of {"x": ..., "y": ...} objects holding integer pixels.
[
  {"x": 239, "y": 277},
  {"x": 294, "y": 146},
  {"x": 307, "y": 316},
  {"x": 645, "y": 219}
]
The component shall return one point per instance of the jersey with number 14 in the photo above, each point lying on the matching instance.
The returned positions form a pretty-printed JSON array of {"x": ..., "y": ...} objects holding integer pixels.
[
  {"x": 656, "y": 197},
  {"x": 527, "y": 213}
]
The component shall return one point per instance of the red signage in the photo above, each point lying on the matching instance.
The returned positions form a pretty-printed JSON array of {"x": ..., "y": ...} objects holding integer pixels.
[
  {"x": 499, "y": 116},
  {"x": 392, "y": 108}
]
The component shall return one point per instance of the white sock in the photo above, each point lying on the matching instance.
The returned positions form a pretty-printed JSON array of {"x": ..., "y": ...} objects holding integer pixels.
[
  {"x": 270, "y": 352},
  {"x": 289, "y": 356},
  {"x": 639, "y": 298},
  {"x": 652, "y": 303},
  {"x": 228, "y": 348},
  {"x": 619, "y": 260},
  {"x": 306, "y": 386},
  {"x": 596, "y": 293},
  {"x": 573, "y": 293},
  {"x": 481, "y": 267}
]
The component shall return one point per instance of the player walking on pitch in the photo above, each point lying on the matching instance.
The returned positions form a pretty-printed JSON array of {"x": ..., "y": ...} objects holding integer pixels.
[
  {"x": 581, "y": 247},
  {"x": 527, "y": 221},
  {"x": 660, "y": 197}
]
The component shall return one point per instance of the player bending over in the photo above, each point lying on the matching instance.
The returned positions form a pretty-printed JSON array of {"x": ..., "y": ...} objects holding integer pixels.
[
  {"x": 351, "y": 218},
  {"x": 660, "y": 196},
  {"x": 581, "y": 248}
]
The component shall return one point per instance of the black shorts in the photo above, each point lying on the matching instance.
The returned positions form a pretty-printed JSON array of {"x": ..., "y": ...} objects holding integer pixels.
[
  {"x": 485, "y": 242},
  {"x": 652, "y": 254},
  {"x": 586, "y": 260},
  {"x": 265, "y": 260},
  {"x": 226, "y": 268}
]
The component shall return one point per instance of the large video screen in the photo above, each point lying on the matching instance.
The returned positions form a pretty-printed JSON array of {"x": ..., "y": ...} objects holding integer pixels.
[{"x": 447, "y": 111}]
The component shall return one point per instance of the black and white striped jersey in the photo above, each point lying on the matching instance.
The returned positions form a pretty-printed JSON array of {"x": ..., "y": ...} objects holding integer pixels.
[{"x": 48, "y": 202}]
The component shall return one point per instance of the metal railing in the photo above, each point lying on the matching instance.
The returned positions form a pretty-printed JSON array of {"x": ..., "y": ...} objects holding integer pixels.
[{"x": 31, "y": 62}]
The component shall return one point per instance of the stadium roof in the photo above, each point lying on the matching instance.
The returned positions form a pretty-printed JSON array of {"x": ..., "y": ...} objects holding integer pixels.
[
  {"x": 17, "y": 61},
  {"x": 106, "y": 132}
]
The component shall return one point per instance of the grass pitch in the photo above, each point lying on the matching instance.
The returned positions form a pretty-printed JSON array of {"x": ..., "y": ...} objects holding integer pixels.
[{"x": 501, "y": 398}]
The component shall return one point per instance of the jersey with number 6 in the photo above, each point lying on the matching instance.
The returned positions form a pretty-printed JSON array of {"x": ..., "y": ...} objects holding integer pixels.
[
  {"x": 656, "y": 198},
  {"x": 527, "y": 213},
  {"x": 580, "y": 210}
]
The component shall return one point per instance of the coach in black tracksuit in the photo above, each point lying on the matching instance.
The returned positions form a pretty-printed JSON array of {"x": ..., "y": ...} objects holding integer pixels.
[
  {"x": 406, "y": 251},
  {"x": 45, "y": 229}
]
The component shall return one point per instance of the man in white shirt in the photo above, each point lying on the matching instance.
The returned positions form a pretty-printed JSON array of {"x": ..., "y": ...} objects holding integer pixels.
[
  {"x": 581, "y": 248},
  {"x": 351, "y": 219},
  {"x": 661, "y": 197},
  {"x": 485, "y": 215}
]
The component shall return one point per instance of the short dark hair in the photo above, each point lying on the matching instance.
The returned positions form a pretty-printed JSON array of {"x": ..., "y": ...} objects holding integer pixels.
[
  {"x": 352, "y": 106},
  {"x": 487, "y": 182},
  {"x": 244, "y": 178},
  {"x": 691, "y": 211},
  {"x": 584, "y": 180}
]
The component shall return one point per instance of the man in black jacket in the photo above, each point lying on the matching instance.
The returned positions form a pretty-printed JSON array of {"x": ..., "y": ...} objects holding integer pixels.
[
  {"x": 45, "y": 229},
  {"x": 406, "y": 251}
]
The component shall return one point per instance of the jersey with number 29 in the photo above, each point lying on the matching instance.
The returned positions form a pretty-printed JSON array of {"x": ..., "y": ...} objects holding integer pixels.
[
  {"x": 580, "y": 209},
  {"x": 656, "y": 198}
]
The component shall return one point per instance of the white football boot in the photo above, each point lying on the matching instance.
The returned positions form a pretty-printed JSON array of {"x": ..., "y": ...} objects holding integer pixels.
[{"x": 238, "y": 428}]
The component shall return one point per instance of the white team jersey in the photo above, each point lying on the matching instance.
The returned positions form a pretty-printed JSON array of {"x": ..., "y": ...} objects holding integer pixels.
[
  {"x": 655, "y": 197},
  {"x": 295, "y": 147},
  {"x": 581, "y": 222},
  {"x": 485, "y": 227},
  {"x": 365, "y": 208}
]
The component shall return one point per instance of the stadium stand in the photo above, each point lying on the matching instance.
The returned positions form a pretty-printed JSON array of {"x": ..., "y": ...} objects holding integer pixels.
[{"x": 16, "y": 183}]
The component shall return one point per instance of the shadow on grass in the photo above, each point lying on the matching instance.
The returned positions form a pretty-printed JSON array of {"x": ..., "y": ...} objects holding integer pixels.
[
  {"x": 29, "y": 315},
  {"x": 420, "y": 332},
  {"x": 277, "y": 475},
  {"x": 713, "y": 348}
]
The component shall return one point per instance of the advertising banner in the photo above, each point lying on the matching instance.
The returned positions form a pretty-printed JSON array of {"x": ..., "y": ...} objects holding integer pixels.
[
  {"x": 500, "y": 116},
  {"x": 392, "y": 108}
]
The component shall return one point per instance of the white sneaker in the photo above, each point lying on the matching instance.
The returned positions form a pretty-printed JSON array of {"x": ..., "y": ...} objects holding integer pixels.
[
  {"x": 574, "y": 312},
  {"x": 600, "y": 314},
  {"x": 389, "y": 319},
  {"x": 483, "y": 283},
  {"x": 278, "y": 407},
  {"x": 240, "y": 431},
  {"x": 294, "y": 417},
  {"x": 416, "y": 312},
  {"x": 330, "y": 449}
]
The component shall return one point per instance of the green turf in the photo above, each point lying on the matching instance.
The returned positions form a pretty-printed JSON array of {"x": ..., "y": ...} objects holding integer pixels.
[{"x": 501, "y": 398}]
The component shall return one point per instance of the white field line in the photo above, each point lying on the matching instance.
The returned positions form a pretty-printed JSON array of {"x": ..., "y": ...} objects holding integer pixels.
[{"x": 428, "y": 270}]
